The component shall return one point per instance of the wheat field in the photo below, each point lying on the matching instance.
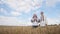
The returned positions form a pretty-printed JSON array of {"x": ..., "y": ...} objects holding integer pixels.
[{"x": 30, "y": 30}]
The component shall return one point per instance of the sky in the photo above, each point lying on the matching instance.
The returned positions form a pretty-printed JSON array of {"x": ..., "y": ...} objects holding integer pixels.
[{"x": 20, "y": 12}]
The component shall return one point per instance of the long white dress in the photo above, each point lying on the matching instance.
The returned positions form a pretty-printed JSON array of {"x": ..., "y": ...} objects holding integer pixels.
[{"x": 42, "y": 23}]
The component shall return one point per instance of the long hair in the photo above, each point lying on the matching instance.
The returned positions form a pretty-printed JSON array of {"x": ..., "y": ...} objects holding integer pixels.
[{"x": 35, "y": 17}]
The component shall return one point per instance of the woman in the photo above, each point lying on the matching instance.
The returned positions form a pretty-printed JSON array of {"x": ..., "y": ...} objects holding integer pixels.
[
  {"x": 42, "y": 18},
  {"x": 35, "y": 21}
]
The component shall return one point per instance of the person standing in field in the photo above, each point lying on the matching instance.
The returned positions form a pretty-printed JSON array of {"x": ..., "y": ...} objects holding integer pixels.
[
  {"x": 35, "y": 21},
  {"x": 42, "y": 19}
]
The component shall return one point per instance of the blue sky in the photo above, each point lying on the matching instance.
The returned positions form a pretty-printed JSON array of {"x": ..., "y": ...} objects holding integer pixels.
[{"x": 20, "y": 12}]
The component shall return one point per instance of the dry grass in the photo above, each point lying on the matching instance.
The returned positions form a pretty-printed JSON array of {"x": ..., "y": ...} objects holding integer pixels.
[{"x": 29, "y": 30}]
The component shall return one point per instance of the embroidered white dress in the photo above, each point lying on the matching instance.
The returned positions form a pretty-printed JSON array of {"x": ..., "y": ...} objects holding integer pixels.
[{"x": 34, "y": 24}]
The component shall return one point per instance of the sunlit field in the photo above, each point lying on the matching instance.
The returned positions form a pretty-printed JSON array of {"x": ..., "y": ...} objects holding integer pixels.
[{"x": 51, "y": 29}]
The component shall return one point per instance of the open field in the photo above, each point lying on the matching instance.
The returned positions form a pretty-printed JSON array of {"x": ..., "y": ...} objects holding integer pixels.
[{"x": 29, "y": 30}]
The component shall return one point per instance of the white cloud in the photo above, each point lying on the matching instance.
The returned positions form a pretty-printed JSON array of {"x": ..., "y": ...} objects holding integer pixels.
[
  {"x": 24, "y": 5},
  {"x": 29, "y": 21},
  {"x": 53, "y": 21},
  {"x": 2, "y": 1},
  {"x": 2, "y": 10},
  {"x": 20, "y": 6},
  {"x": 14, "y": 13},
  {"x": 12, "y": 21},
  {"x": 50, "y": 3},
  {"x": 8, "y": 20}
]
